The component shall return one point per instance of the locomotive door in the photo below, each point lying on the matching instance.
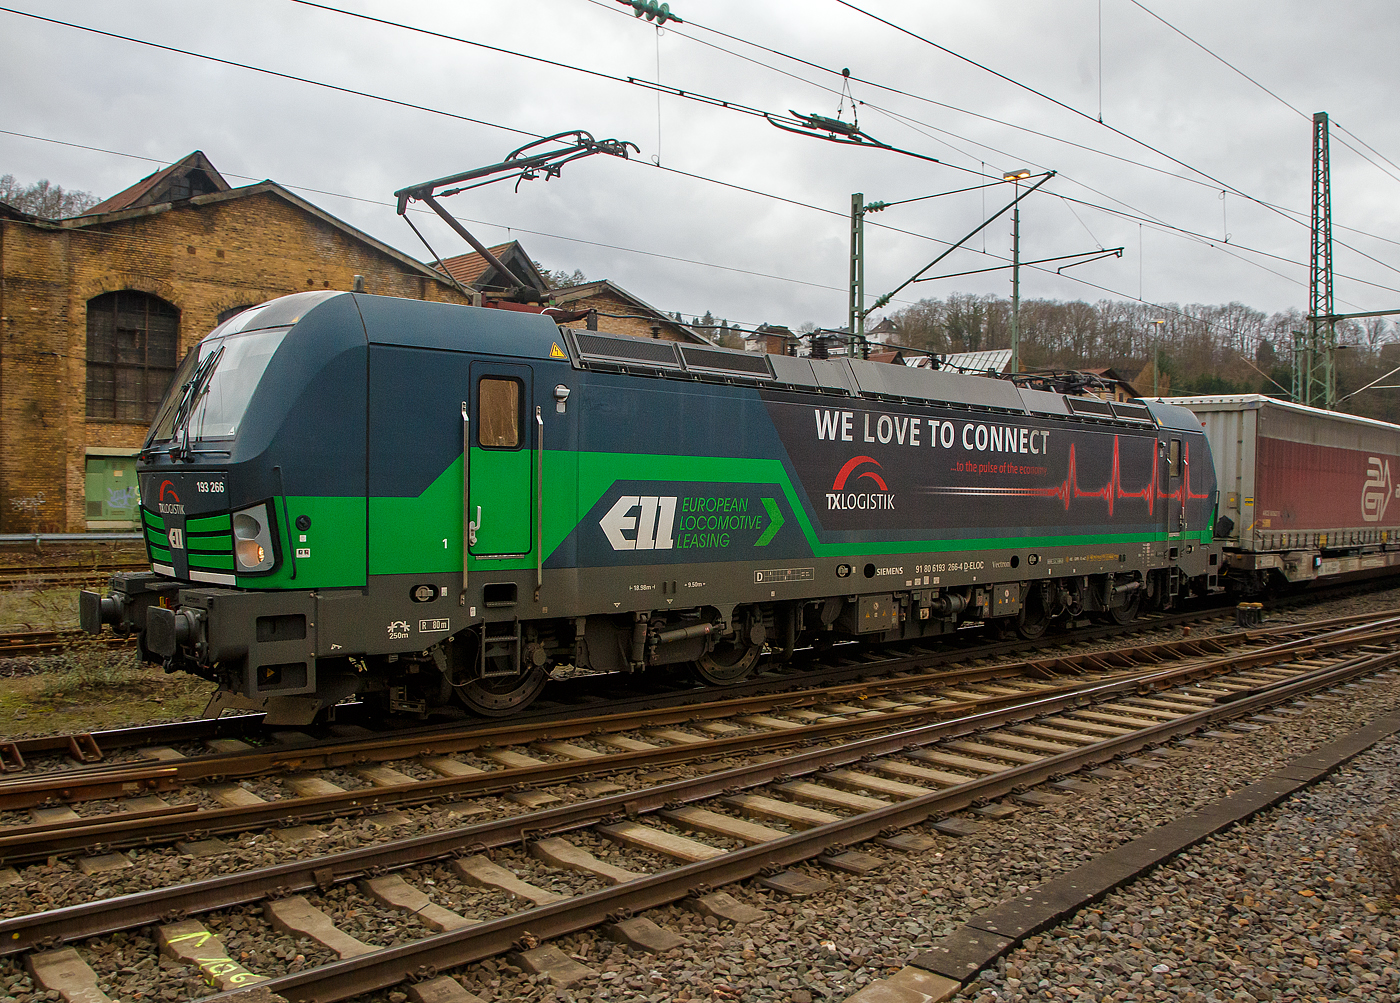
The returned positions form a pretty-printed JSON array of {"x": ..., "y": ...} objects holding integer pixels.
[
  {"x": 499, "y": 482},
  {"x": 1174, "y": 491}
]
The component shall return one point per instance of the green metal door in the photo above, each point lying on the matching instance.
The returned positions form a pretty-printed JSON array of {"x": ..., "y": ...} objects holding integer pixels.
[
  {"x": 500, "y": 487},
  {"x": 112, "y": 495}
]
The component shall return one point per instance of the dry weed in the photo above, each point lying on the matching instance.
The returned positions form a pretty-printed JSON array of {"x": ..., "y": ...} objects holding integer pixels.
[{"x": 1380, "y": 848}]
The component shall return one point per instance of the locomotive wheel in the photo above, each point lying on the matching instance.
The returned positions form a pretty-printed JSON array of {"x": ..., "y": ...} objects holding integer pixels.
[
  {"x": 1128, "y": 612},
  {"x": 728, "y": 663},
  {"x": 1033, "y": 619},
  {"x": 500, "y": 696}
]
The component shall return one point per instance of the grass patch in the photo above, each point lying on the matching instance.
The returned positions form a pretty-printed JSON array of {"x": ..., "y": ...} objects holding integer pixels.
[
  {"x": 94, "y": 688},
  {"x": 87, "y": 686},
  {"x": 24, "y": 608}
]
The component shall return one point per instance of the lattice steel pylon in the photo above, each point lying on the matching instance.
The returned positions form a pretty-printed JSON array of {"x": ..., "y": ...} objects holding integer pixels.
[{"x": 1315, "y": 352}]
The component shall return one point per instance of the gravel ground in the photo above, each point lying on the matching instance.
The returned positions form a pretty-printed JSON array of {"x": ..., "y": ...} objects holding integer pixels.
[
  {"x": 1230, "y": 903},
  {"x": 1287, "y": 906},
  {"x": 1282, "y": 908}
]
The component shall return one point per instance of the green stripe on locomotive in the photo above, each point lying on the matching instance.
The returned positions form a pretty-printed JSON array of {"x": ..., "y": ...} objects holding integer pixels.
[{"x": 423, "y": 535}]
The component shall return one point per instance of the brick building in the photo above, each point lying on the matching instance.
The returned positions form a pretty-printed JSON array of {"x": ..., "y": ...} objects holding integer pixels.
[
  {"x": 616, "y": 311},
  {"x": 602, "y": 305},
  {"x": 98, "y": 310}
]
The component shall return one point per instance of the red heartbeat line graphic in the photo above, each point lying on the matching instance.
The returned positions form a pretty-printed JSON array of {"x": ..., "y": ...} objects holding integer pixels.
[{"x": 1111, "y": 492}]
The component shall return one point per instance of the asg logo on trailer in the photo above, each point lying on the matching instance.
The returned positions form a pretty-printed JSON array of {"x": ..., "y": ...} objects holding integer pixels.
[
  {"x": 1376, "y": 492},
  {"x": 838, "y": 499},
  {"x": 652, "y": 528}
]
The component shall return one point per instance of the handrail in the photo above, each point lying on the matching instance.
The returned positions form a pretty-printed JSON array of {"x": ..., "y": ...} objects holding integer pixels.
[
  {"x": 539, "y": 503},
  {"x": 286, "y": 519},
  {"x": 466, "y": 492}
]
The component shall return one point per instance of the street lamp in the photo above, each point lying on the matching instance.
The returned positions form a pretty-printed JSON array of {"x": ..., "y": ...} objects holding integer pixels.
[{"x": 1016, "y": 177}]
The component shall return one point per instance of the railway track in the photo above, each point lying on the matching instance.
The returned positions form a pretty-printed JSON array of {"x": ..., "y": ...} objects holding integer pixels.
[
  {"x": 573, "y": 696},
  {"x": 501, "y": 759},
  {"x": 39, "y": 642},
  {"x": 60, "y": 576},
  {"x": 157, "y": 767},
  {"x": 850, "y": 771}
]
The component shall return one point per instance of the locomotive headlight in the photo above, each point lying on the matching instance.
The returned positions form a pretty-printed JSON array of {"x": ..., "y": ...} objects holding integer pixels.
[{"x": 252, "y": 540}]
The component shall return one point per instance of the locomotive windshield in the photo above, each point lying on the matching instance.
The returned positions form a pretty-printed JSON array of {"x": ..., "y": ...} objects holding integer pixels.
[{"x": 212, "y": 388}]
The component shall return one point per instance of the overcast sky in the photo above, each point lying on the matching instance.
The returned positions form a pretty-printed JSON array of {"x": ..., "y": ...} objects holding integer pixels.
[{"x": 691, "y": 244}]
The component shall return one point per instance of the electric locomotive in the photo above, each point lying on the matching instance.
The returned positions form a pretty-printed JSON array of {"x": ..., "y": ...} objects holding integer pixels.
[{"x": 432, "y": 506}]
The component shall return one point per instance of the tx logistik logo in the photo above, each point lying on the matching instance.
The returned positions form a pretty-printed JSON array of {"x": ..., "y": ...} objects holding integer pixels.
[
  {"x": 1376, "y": 492},
  {"x": 838, "y": 499},
  {"x": 173, "y": 507}
]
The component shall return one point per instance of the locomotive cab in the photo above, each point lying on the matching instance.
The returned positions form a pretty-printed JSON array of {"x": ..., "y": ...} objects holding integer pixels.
[
  {"x": 251, "y": 487},
  {"x": 302, "y": 502}
]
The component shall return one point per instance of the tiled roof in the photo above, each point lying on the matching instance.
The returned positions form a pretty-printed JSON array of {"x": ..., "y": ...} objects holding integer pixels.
[
  {"x": 150, "y": 188},
  {"x": 574, "y": 294},
  {"x": 467, "y": 268}
]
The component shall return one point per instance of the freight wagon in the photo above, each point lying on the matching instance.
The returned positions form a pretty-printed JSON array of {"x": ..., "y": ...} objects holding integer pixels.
[{"x": 1306, "y": 494}]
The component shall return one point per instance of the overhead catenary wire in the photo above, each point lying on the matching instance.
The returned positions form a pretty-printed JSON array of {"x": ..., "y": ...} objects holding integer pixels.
[
  {"x": 1287, "y": 104},
  {"x": 915, "y": 123},
  {"x": 428, "y": 109},
  {"x": 740, "y": 107},
  {"x": 705, "y": 99},
  {"x": 1061, "y": 104},
  {"x": 1164, "y": 308}
]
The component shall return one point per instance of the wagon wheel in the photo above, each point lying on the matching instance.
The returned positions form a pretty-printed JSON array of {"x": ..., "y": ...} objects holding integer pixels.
[
  {"x": 1034, "y": 618},
  {"x": 729, "y": 662},
  {"x": 501, "y": 696},
  {"x": 493, "y": 695},
  {"x": 1129, "y": 611}
]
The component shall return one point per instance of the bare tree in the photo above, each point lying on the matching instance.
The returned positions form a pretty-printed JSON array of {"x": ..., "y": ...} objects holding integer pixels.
[{"x": 45, "y": 200}]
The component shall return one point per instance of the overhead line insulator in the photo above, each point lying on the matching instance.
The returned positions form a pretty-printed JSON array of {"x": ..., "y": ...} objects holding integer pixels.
[{"x": 652, "y": 11}]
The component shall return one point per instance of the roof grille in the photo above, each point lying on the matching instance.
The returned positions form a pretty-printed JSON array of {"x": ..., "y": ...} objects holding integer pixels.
[
  {"x": 719, "y": 361},
  {"x": 623, "y": 349},
  {"x": 1089, "y": 405},
  {"x": 1133, "y": 412}
]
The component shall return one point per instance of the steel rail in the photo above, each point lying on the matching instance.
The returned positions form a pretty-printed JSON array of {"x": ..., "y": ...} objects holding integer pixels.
[
  {"x": 110, "y": 915},
  {"x": 114, "y": 779},
  {"x": 29, "y": 843},
  {"x": 33, "y": 841},
  {"x": 99, "y": 742},
  {"x": 106, "y": 779},
  {"x": 20, "y": 844},
  {"x": 34, "y": 642},
  {"x": 390, "y": 966}
]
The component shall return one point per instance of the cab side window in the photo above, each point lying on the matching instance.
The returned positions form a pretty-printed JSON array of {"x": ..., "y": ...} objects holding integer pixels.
[
  {"x": 1174, "y": 458},
  {"x": 498, "y": 413}
]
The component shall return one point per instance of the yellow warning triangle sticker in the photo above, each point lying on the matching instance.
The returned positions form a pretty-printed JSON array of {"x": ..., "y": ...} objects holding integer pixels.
[{"x": 555, "y": 352}]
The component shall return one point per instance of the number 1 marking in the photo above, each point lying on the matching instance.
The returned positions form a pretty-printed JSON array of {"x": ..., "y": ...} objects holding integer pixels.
[{"x": 444, "y": 543}]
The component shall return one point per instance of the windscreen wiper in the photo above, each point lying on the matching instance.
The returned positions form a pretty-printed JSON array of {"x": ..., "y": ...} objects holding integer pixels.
[{"x": 189, "y": 399}]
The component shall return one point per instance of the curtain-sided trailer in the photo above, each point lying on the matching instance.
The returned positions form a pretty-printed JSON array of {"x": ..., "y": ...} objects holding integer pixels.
[{"x": 1305, "y": 494}]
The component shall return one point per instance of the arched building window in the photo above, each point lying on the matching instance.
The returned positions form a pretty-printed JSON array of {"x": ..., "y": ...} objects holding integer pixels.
[{"x": 131, "y": 343}]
